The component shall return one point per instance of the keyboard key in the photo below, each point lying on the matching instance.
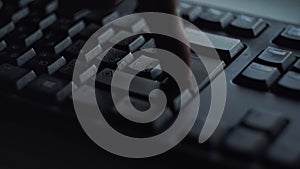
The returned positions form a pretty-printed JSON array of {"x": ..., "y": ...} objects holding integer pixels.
[
  {"x": 247, "y": 26},
  {"x": 284, "y": 153},
  {"x": 76, "y": 29},
  {"x": 51, "y": 6},
  {"x": 191, "y": 13},
  {"x": 35, "y": 36},
  {"x": 6, "y": 28},
  {"x": 23, "y": 3},
  {"x": 3, "y": 45},
  {"x": 289, "y": 85},
  {"x": 227, "y": 48},
  {"x": 48, "y": 87},
  {"x": 139, "y": 87},
  {"x": 131, "y": 44},
  {"x": 258, "y": 76},
  {"x": 245, "y": 141},
  {"x": 290, "y": 37},
  {"x": 15, "y": 77},
  {"x": 47, "y": 22},
  {"x": 271, "y": 123},
  {"x": 296, "y": 66},
  {"x": 24, "y": 58},
  {"x": 281, "y": 59},
  {"x": 214, "y": 19},
  {"x": 22, "y": 13},
  {"x": 104, "y": 37},
  {"x": 148, "y": 67},
  {"x": 46, "y": 64},
  {"x": 110, "y": 17},
  {"x": 81, "y": 14},
  {"x": 92, "y": 53},
  {"x": 88, "y": 74}
]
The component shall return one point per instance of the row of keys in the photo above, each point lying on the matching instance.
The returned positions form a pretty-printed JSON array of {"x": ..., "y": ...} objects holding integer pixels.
[
  {"x": 254, "y": 133},
  {"x": 267, "y": 69},
  {"x": 241, "y": 25},
  {"x": 18, "y": 79}
]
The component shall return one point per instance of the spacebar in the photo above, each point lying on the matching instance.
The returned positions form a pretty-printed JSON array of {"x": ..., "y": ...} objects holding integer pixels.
[{"x": 226, "y": 47}]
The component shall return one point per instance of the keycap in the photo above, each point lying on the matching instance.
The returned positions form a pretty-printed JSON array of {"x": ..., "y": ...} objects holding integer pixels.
[
  {"x": 5, "y": 28},
  {"x": 88, "y": 74},
  {"x": 140, "y": 87},
  {"x": 290, "y": 37},
  {"x": 91, "y": 52},
  {"x": 131, "y": 44},
  {"x": 24, "y": 58},
  {"x": 284, "y": 153},
  {"x": 258, "y": 76},
  {"x": 3, "y": 45},
  {"x": 76, "y": 29},
  {"x": 214, "y": 19},
  {"x": 51, "y": 6},
  {"x": 22, "y": 13},
  {"x": 190, "y": 13},
  {"x": 245, "y": 141},
  {"x": 48, "y": 88},
  {"x": 81, "y": 14},
  {"x": 88, "y": 31},
  {"x": 46, "y": 64},
  {"x": 23, "y": 3},
  {"x": 35, "y": 36},
  {"x": 133, "y": 24},
  {"x": 247, "y": 26},
  {"x": 271, "y": 123},
  {"x": 228, "y": 48},
  {"x": 72, "y": 52},
  {"x": 279, "y": 58},
  {"x": 296, "y": 66},
  {"x": 110, "y": 17},
  {"x": 47, "y": 21},
  {"x": 147, "y": 67},
  {"x": 14, "y": 77},
  {"x": 289, "y": 85},
  {"x": 105, "y": 36}
]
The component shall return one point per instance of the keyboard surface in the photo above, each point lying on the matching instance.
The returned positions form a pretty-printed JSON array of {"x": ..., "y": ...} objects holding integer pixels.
[{"x": 40, "y": 41}]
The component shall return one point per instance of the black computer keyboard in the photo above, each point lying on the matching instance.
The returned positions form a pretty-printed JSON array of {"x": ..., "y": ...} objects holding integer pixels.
[{"x": 41, "y": 40}]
